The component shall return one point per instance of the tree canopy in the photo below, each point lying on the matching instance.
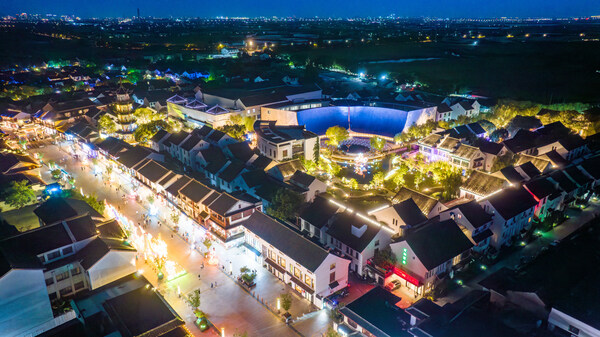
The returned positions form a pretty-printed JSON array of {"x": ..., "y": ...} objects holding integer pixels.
[
  {"x": 19, "y": 194},
  {"x": 336, "y": 135},
  {"x": 107, "y": 125},
  {"x": 285, "y": 204}
]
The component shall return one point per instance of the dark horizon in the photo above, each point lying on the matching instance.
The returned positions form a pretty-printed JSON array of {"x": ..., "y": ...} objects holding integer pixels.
[{"x": 467, "y": 9}]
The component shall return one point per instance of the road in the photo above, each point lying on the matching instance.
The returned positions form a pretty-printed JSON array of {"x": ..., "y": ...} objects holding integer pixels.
[{"x": 227, "y": 305}]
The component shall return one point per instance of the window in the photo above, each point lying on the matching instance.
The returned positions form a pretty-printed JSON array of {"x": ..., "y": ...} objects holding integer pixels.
[
  {"x": 53, "y": 255},
  {"x": 65, "y": 291},
  {"x": 332, "y": 277},
  {"x": 62, "y": 276},
  {"x": 332, "y": 266},
  {"x": 78, "y": 285},
  {"x": 67, "y": 250},
  {"x": 75, "y": 271},
  {"x": 308, "y": 280},
  {"x": 49, "y": 281}
]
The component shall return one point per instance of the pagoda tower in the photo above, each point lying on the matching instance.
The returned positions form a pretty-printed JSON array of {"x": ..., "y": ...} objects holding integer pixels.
[{"x": 123, "y": 110}]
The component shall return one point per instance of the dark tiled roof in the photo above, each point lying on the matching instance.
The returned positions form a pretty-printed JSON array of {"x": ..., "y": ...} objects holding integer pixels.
[
  {"x": 140, "y": 312},
  {"x": 289, "y": 242},
  {"x": 222, "y": 204},
  {"x": 241, "y": 151},
  {"x": 579, "y": 177},
  {"x": 563, "y": 181},
  {"x": 215, "y": 159},
  {"x": 376, "y": 311},
  {"x": 302, "y": 179},
  {"x": 153, "y": 171},
  {"x": 134, "y": 155},
  {"x": 192, "y": 141},
  {"x": 319, "y": 212},
  {"x": 511, "y": 174},
  {"x": 490, "y": 147},
  {"x": 474, "y": 213},
  {"x": 262, "y": 162},
  {"x": 511, "y": 202},
  {"x": 195, "y": 191},
  {"x": 541, "y": 187},
  {"x": 437, "y": 242},
  {"x": 176, "y": 138},
  {"x": 160, "y": 134},
  {"x": 174, "y": 188},
  {"x": 530, "y": 170},
  {"x": 255, "y": 178},
  {"x": 232, "y": 171},
  {"x": 352, "y": 231},
  {"x": 55, "y": 209},
  {"x": 409, "y": 212}
]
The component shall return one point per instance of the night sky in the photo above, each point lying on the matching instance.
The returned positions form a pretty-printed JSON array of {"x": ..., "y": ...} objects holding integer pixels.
[{"x": 306, "y": 8}]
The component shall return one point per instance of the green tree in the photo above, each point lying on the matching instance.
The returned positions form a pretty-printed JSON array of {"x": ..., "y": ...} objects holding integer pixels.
[
  {"x": 378, "y": 178},
  {"x": 285, "y": 203},
  {"x": 19, "y": 194},
  {"x": 450, "y": 185},
  {"x": 336, "y": 135},
  {"x": 249, "y": 123},
  {"x": 236, "y": 119},
  {"x": 317, "y": 152},
  {"x": 107, "y": 125},
  {"x": 286, "y": 301},
  {"x": 377, "y": 143},
  {"x": 146, "y": 115},
  {"x": 194, "y": 299},
  {"x": 145, "y": 131},
  {"x": 56, "y": 174}
]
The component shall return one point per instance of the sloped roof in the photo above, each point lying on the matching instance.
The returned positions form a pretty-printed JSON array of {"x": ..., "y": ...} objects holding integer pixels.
[
  {"x": 490, "y": 147},
  {"x": 437, "y": 242},
  {"x": 241, "y": 151},
  {"x": 195, "y": 191},
  {"x": 133, "y": 156},
  {"x": 425, "y": 203},
  {"x": 352, "y": 230},
  {"x": 232, "y": 171},
  {"x": 474, "y": 213},
  {"x": 511, "y": 202},
  {"x": 482, "y": 183},
  {"x": 319, "y": 212},
  {"x": 222, "y": 204},
  {"x": 153, "y": 171},
  {"x": 409, "y": 212},
  {"x": 466, "y": 152},
  {"x": 289, "y": 242},
  {"x": 430, "y": 140}
]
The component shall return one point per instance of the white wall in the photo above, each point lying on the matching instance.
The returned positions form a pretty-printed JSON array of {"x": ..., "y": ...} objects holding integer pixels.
[
  {"x": 114, "y": 265},
  {"x": 24, "y": 301}
]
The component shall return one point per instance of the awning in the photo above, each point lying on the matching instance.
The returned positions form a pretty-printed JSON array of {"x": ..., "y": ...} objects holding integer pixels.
[
  {"x": 302, "y": 285},
  {"x": 275, "y": 265},
  {"x": 252, "y": 249},
  {"x": 334, "y": 284}
]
